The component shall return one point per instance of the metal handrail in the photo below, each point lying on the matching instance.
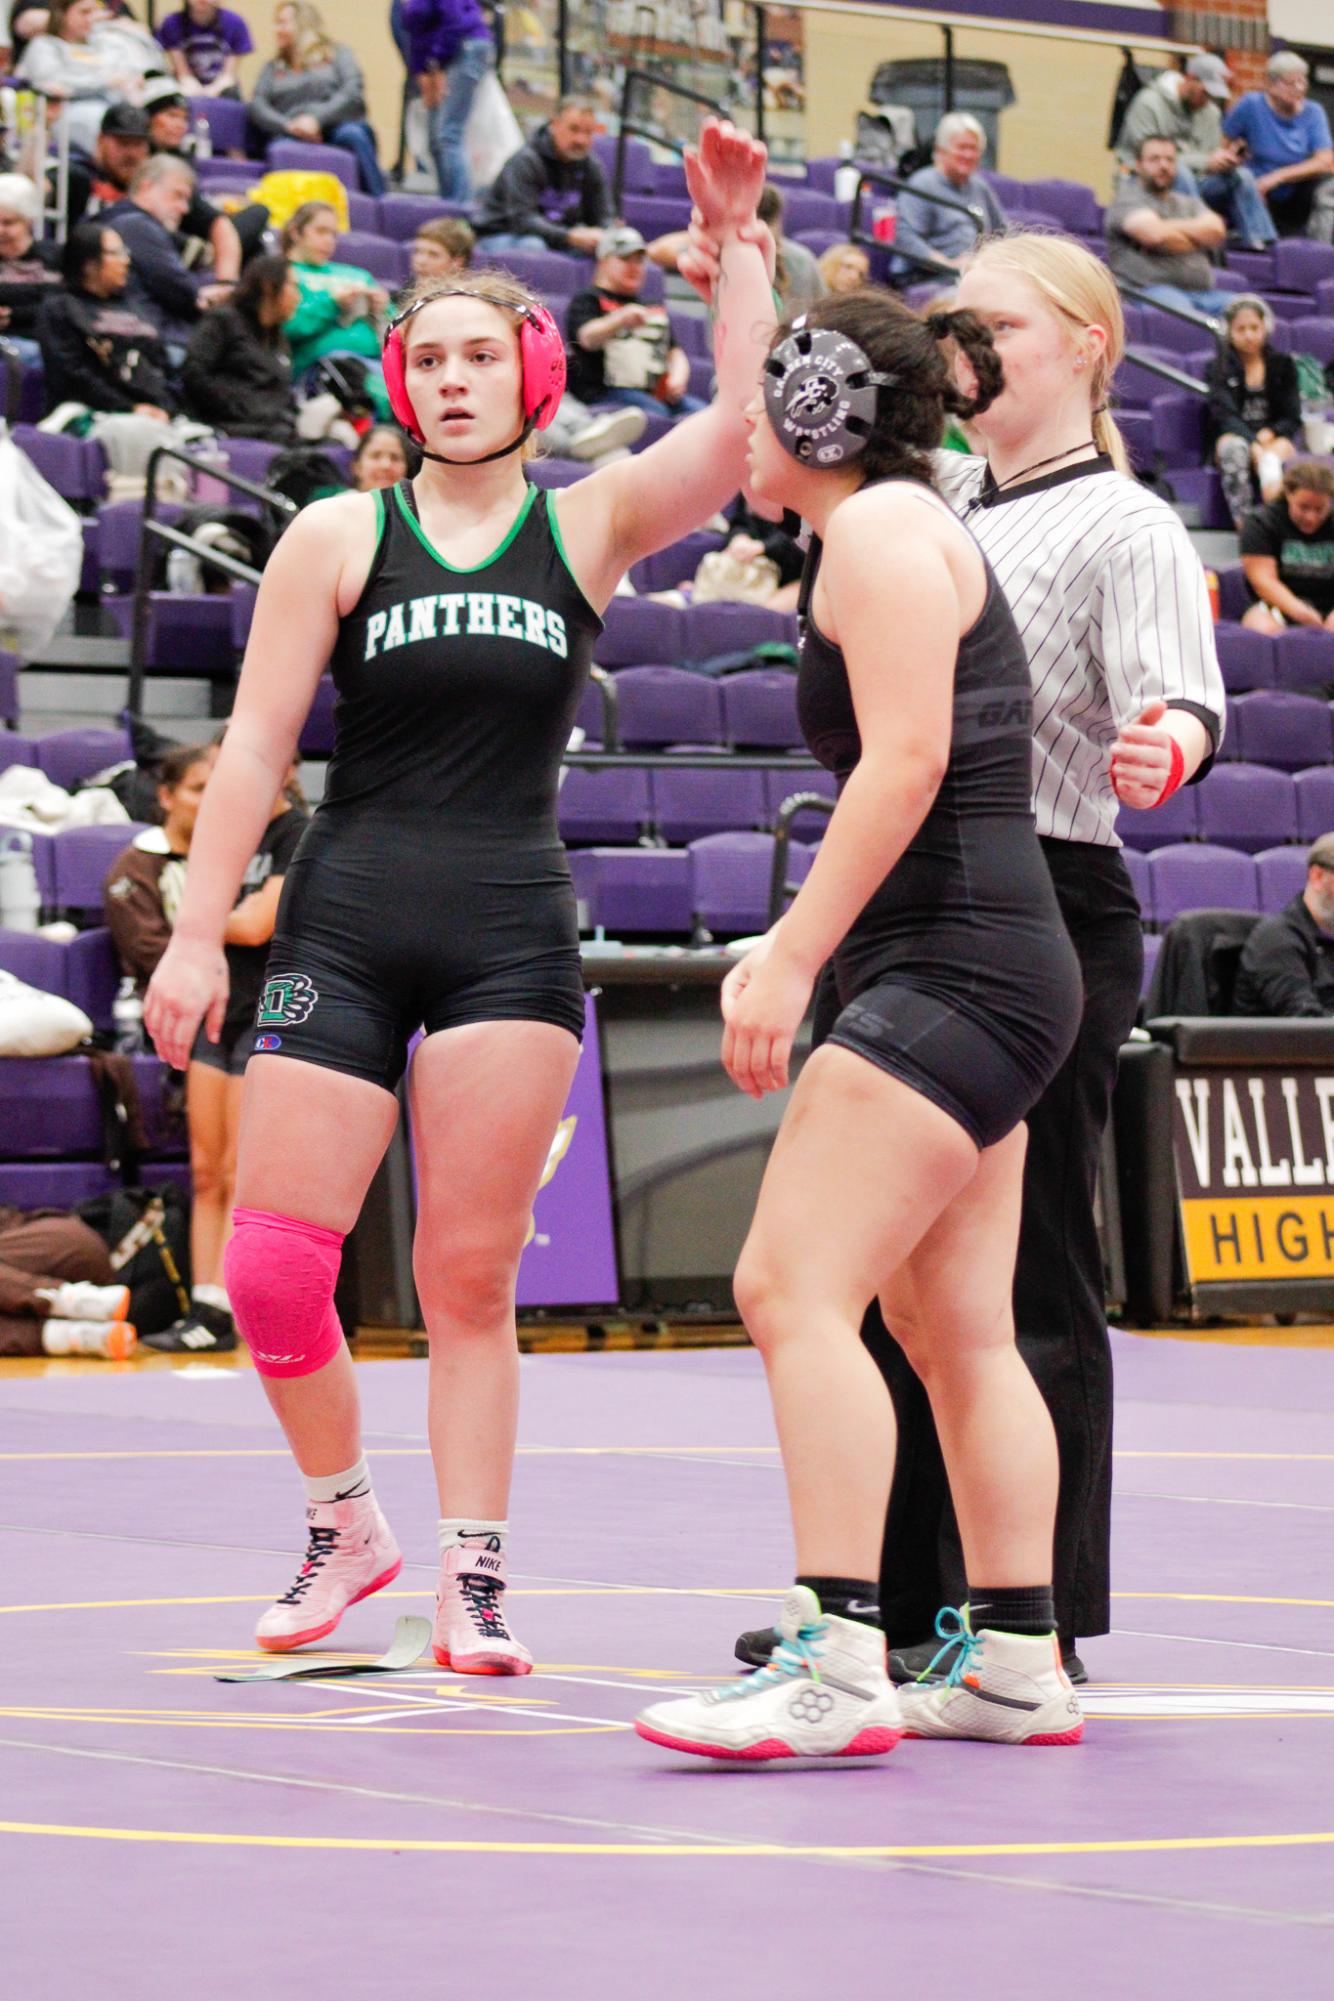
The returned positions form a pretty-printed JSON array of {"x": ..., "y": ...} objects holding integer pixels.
[
  {"x": 779, "y": 886},
  {"x": 880, "y": 177},
  {"x": 1140, "y": 297},
  {"x": 153, "y": 531},
  {"x": 629, "y": 130},
  {"x": 1165, "y": 370}
]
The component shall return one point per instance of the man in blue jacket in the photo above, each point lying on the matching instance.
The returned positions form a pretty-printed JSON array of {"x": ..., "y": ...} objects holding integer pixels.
[
  {"x": 161, "y": 285},
  {"x": 450, "y": 50}
]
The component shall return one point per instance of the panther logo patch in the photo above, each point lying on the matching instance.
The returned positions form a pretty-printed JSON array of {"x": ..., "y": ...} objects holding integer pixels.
[{"x": 287, "y": 999}]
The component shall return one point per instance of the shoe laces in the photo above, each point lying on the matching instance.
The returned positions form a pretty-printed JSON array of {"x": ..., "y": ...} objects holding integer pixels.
[
  {"x": 481, "y": 1598},
  {"x": 790, "y": 1657},
  {"x": 953, "y": 1628},
  {"x": 322, "y": 1544}
]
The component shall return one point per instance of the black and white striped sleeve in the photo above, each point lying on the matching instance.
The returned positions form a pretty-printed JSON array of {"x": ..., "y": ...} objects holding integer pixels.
[{"x": 1152, "y": 631}]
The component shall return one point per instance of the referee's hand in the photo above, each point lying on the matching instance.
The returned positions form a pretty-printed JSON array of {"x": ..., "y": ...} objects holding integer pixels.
[{"x": 1142, "y": 759}]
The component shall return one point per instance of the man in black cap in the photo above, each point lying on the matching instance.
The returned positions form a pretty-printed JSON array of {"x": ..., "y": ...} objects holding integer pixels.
[
  {"x": 120, "y": 150},
  {"x": 1187, "y": 106}
]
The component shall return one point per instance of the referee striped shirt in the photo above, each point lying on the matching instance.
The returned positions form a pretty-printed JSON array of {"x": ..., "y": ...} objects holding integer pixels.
[{"x": 1110, "y": 601}]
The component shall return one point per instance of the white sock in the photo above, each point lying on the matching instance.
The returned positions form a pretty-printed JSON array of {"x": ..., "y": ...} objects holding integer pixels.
[
  {"x": 212, "y": 1295},
  {"x": 455, "y": 1529},
  {"x": 1270, "y": 469},
  {"x": 353, "y": 1485}
]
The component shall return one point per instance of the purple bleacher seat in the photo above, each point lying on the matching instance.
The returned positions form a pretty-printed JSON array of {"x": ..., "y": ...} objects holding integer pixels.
[
  {"x": 713, "y": 629},
  {"x": 1254, "y": 267},
  {"x": 1281, "y": 875},
  {"x": 16, "y": 749},
  {"x": 1070, "y": 203},
  {"x": 694, "y": 335},
  {"x": 82, "y": 857},
  {"x": 656, "y": 215},
  {"x": 688, "y": 805},
  {"x": 39, "y": 962},
  {"x": 1246, "y": 806},
  {"x": 186, "y": 633},
  {"x": 1136, "y": 387},
  {"x": 1303, "y": 657},
  {"x": 760, "y": 709},
  {"x": 1315, "y": 802},
  {"x": 1324, "y": 298},
  {"x": 668, "y": 568},
  {"x": 317, "y": 732},
  {"x": 69, "y": 756},
  {"x": 1313, "y": 334},
  {"x": 1245, "y": 658},
  {"x": 669, "y": 178},
  {"x": 808, "y": 208},
  {"x": 401, "y": 216},
  {"x": 637, "y": 631},
  {"x": 556, "y": 472},
  {"x": 242, "y": 600},
  {"x": 303, "y": 156},
  {"x": 589, "y": 715},
  {"x": 662, "y": 705},
  {"x": 610, "y": 807},
  {"x": 9, "y": 689},
  {"x": 1137, "y": 432},
  {"x": 550, "y": 272},
  {"x": 638, "y": 169},
  {"x": 49, "y": 1108},
  {"x": 1202, "y": 877},
  {"x": 1288, "y": 731},
  {"x": 1280, "y": 338},
  {"x": 701, "y": 378},
  {"x": 75, "y": 467},
  {"x": 781, "y": 784},
  {"x": 820, "y": 173},
  {"x": 384, "y": 259},
  {"x": 1234, "y": 593},
  {"x": 635, "y": 889},
  {"x": 1289, "y": 305},
  {"x": 227, "y": 120},
  {"x": 1137, "y": 868},
  {"x": 1160, "y": 330},
  {"x": 92, "y": 974},
  {"x": 32, "y": 393},
  {"x": 1198, "y": 492},
  {"x": 229, "y": 176},
  {"x": 729, "y": 882},
  {"x": 57, "y": 1184},
  {"x": 250, "y": 458},
  {"x": 1229, "y": 747},
  {"x": 120, "y": 524},
  {"x": 1300, "y": 265},
  {"x": 160, "y": 1106},
  {"x": 1153, "y": 945},
  {"x": 1177, "y": 819},
  {"x": 363, "y": 213},
  {"x": 817, "y": 241},
  {"x": 90, "y": 576}
]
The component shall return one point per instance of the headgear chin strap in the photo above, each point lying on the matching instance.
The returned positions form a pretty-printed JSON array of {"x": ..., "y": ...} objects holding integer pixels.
[
  {"x": 820, "y": 392},
  {"x": 541, "y": 351}
]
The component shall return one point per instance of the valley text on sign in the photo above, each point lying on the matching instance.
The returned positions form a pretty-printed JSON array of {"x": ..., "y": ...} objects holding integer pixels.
[{"x": 1254, "y": 1154}]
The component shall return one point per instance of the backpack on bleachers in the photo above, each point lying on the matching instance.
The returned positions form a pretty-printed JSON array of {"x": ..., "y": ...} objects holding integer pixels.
[
  {"x": 148, "y": 1235},
  {"x": 306, "y": 472},
  {"x": 249, "y": 538}
]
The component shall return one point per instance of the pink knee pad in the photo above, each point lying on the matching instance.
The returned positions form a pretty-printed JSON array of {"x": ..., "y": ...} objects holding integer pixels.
[{"x": 280, "y": 1277}]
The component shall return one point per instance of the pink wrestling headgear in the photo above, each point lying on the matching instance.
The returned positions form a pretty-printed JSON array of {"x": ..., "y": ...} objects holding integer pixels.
[{"x": 541, "y": 351}]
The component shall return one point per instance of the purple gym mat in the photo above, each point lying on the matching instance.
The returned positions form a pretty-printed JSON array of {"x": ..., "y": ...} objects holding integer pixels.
[{"x": 162, "y": 1833}]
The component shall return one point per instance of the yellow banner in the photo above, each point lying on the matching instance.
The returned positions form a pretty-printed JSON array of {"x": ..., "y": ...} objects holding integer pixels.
[{"x": 1268, "y": 1237}]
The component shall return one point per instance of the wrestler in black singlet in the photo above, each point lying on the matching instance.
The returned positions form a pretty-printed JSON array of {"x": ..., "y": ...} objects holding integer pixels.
[
  {"x": 958, "y": 976},
  {"x": 432, "y": 888}
]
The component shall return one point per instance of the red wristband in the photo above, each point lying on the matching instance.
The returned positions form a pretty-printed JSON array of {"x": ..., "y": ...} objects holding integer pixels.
[{"x": 1174, "y": 776}]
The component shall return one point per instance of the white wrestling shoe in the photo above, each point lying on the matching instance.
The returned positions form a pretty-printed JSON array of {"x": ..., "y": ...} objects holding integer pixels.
[
  {"x": 351, "y": 1552},
  {"x": 825, "y": 1694},
  {"x": 76, "y": 1299},
  {"x": 1003, "y": 1688},
  {"x": 470, "y": 1632},
  {"x": 110, "y": 1340}
]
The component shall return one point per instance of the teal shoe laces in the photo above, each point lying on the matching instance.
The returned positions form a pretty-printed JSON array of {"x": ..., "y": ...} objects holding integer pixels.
[
  {"x": 952, "y": 1627},
  {"x": 791, "y": 1657}
]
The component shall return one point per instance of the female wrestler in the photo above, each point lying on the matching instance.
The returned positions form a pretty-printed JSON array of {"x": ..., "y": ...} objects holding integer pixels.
[
  {"x": 898, "y": 1165},
  {"x": 459, "y": 611}
]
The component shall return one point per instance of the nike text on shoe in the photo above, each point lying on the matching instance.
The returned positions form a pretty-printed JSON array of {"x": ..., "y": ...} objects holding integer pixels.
[
  {"x": 471, "y": 1635},
  {"x": 109, "y": 1340},
  {"x": 825, "y": 1694},
  {"x": 1003, "y": 1688},
  {"x": 351, "y": 1552}
]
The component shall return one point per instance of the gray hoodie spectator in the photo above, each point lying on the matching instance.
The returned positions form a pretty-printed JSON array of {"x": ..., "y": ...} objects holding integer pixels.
[{"x": 552, "y": 190}]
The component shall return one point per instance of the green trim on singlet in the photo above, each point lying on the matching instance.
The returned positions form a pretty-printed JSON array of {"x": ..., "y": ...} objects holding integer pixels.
[
  {"x": 464, "y": 569},
  {"x": 378, "y": 497},
  {"x": 559, "y": 539}
]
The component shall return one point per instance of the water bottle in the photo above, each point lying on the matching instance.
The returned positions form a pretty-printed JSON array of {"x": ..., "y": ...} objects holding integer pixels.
[
  {"x": 203, "y": 138},
  {"x": 127, "y": 1018},
  {"x": 846, "y": 176},
  {"x": 20, "y": 898}
]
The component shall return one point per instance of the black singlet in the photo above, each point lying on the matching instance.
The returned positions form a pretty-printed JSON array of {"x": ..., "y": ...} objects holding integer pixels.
[
  {"x": 957, "y": 976},
  {"x": 431, "y": 887}
]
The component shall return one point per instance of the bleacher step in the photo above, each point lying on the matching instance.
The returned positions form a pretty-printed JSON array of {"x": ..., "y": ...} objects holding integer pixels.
[{"x": 48, "y": 691}]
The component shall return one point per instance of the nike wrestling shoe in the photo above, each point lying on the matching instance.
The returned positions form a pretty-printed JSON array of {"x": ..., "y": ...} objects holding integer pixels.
[
  {"x": 1002, "y": 1688},
  {"x": 471, "y": 1635},
  {"x": 824, "y": 1694},
  {"x": 350, "y": 1553}
]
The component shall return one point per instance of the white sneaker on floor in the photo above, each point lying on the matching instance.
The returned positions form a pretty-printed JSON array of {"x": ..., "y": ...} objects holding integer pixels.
[
  {"x": 1002, "y": 1688},
  {"x": 78, "y": 1300},
  {"x": 350, "y": 1553},
  {"x": 825, "y": 1694},
  {"x": 109, "y": 1340},
  {"x": 609, "y": 431},
  {"x": 471, "y": 1635}
]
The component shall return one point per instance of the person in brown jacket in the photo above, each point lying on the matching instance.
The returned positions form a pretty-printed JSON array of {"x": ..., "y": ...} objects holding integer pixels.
[{"x": 58, "y": 1294}]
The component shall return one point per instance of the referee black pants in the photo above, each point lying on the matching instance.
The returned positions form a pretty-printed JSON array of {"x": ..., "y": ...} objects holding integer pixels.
[{"x": 1059, "y": 1302}]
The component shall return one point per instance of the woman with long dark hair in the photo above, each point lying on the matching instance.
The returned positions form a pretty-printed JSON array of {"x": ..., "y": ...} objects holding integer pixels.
[{"x": 238, "y": 366}]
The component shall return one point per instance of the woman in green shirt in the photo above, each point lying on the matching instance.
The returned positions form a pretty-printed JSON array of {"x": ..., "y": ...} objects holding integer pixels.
[{"x": 341, "y": 307}]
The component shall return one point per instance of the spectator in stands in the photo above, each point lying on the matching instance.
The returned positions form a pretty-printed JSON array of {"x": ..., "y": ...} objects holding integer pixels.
[
  {"x": 203, "y": 44},
  {"x": 1287, "y": 963},
  {"x": 58, "y": 1292},
  {"x": 169, "y": 293},
  {"x": 237, "y": 375},
  {"x": 1158, "y": 241},
  {"x": 552, "y": 194},
  {"x": 87, "y": 60},
  {"x": 442, "y": 247},
  {"x": 340, "y": 304},
  {"x": 1255, "y": 407},
  {"x": 797, "y": 277},
  {"x": 1184, "y": 105},
  {"x": 313, "y": 90},
  {"x": 930, "y": 229},
  {"x": 844, "y": 267},
  {"x": 621, "y": 350},
  {"x": 121, "y": 149},
  {"x": 381, "y": 458},
  {"x": 450, "y": 50},
  {"x": 225, "y": 241},
  {"x": 1287, "y": 552},
  {"x": 29, "y": 269},
  {"x": 97, "y": 347},
  {"x": 1289, "y": 148}
]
